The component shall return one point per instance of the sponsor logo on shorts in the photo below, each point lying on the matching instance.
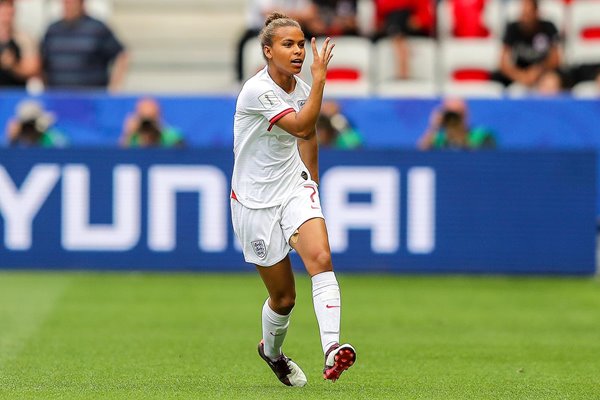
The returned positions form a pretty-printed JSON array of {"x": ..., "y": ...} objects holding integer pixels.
[
  {"x": 260, "y": 249},
  {"x": 301, "y": 103},
  {"x": 269, "y": 99}
]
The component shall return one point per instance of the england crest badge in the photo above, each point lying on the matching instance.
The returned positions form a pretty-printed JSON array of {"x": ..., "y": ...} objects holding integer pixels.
[{"x": 260, "y": 249}]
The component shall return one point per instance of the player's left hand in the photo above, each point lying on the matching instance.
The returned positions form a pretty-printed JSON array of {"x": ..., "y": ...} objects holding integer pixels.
[{"x": 321, "y": 59}]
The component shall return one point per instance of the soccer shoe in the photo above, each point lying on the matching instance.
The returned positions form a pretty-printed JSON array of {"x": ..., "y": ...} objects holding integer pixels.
[
  {"x": 337, "y": 360},
  {"x": 287, "y": 371}
]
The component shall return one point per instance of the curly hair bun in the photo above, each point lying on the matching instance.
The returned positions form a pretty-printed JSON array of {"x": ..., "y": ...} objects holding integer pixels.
[{"x": 274, "y": 16}]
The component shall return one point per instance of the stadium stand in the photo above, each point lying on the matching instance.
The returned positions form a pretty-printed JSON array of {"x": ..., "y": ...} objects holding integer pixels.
[
  {"x": 583, "y": 35},
  {"x": 188, "y": 46},
  {"x": 422, "y": 81},
  {"x": 467, "y": 65},
  {"x": 181, "y": 46}
]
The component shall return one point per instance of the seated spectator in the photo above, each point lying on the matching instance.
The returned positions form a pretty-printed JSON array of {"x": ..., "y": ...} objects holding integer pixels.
[
  {"x": 80, "y": 52},
  {"x": 530, "y": 47},
  {"x": 303, "y": 11},
  {"x": 399, "y": 19},
  {"x": 33, "y": 127},
  {"x": 449, "y": 129},
  {"x": 333, "y": 18},
  {"x": 334, "y": 130},
  {"x": 144, "y": 128},
  {"x": 19, "y": 58}
]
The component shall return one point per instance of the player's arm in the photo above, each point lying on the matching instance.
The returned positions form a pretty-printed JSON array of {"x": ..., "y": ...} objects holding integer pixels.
[
  {"x": 302, "y": 124},
  {"x": 309, "y": 152}
]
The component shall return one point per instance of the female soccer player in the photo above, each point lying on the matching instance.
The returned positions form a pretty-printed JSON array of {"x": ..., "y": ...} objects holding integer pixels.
[{"x": 275, "y": 202}]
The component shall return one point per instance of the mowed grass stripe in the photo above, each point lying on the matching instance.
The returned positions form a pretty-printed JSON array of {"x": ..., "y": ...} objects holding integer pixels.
[
  {"x": 26, "y": 301},
  {"x": 185, "y": 336}
]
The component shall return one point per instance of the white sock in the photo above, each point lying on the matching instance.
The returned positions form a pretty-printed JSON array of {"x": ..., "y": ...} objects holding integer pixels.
[
  {"x": 274, "y": 328},
  {"x": 327, "y": 303}
]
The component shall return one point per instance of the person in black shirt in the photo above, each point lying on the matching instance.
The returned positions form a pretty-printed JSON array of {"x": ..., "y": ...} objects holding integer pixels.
[
  {"x": 530, "y": 47},
  {"x": 81, "y": 52},
  {"x": 19, "y": 59}
]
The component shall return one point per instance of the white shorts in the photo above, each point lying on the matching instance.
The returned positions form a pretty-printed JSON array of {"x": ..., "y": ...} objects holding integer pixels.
[{"x": 265, "y": 233}]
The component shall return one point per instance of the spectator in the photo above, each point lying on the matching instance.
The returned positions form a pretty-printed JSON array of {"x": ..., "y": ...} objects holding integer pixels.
[
  {"x": 333, "y": 18},
  {"x": 449, "y": 129},
  {"x": 145, "y": 128},
  {"x": 303, "y": 11},
  {"x": 80, "y": 52},
  {"x": 19, "y": 58},
  {"x": 530, "y": 47},
  {"x": 33, "y": 127},
  {"x": 334, "y": 130},
  {"x": 399, "y": 19}
]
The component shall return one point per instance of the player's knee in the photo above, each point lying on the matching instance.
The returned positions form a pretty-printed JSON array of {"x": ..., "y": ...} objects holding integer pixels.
[
  {"x": 322, "y": 260},
  {"x": 283, "y": 304}
]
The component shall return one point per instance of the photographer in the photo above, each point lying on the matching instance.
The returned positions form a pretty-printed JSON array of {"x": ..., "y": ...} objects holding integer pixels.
[
  {"x": 449, "y": 129},
  {"x": 144, "y": 128},
  {"x": 32, "y": 127},
  {"x": 334, "y": 130},
  {"x": 19, "y": 59}
]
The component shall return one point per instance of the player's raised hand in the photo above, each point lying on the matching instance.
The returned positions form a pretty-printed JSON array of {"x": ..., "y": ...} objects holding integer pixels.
[{"x": 321, "y": 59}]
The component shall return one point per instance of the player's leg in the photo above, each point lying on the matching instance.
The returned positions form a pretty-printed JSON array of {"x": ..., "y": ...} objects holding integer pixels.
[
  {"x": 312, "y": 244},
  {"x": 279, "y": 281},
  {"x": 265, "y": 246}
]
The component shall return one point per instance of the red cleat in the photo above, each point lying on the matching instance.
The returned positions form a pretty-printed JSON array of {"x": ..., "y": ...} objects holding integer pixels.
[{"x": 337, "y": 360}]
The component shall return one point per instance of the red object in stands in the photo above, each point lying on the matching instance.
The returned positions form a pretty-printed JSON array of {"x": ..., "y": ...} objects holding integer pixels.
[
  {"x": 592, "y": 32},
  {"x": 468, "y": 18},
  {"x": 343, "y": 74},
  {"x": 471, "y": 74}
]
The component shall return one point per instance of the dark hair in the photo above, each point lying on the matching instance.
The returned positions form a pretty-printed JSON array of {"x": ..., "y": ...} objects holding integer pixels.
[{"x": 275, "y": 20}]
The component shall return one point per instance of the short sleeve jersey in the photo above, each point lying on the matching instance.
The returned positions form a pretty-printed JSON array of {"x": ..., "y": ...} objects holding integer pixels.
[
  {"x": 267, "y": 161},
  {"x": 530, "y": 48}
]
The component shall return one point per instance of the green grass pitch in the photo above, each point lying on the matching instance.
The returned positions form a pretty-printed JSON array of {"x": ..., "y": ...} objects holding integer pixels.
[{"x": 186, "y": 336}]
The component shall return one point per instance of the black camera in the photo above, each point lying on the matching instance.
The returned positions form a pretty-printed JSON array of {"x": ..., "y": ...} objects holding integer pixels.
[
  {"x": 148, "y": 127},
  {"x": 451, "y": 118}
]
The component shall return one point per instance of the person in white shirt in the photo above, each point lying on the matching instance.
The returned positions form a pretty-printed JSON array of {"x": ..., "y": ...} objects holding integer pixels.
[{"x": 275, "y": 203}]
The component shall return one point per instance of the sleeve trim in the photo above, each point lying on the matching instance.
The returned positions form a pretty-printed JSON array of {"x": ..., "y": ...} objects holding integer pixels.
[{"x": 276, "y": 118}]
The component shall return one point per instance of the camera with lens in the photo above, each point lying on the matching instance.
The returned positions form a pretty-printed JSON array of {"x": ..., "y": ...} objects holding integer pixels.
[{"x": 451, "y": 118}]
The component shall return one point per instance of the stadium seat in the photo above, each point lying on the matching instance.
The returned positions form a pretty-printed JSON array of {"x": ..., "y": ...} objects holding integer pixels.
[
  {"x": 586, "y": 90},
  {"x": 349, "y": 72},
  {"x": 422, "y": 81},
  {"x": 583, "y": 36},
  {"x": 467, "y": 65},
  {"x": 492, "y": 18}
]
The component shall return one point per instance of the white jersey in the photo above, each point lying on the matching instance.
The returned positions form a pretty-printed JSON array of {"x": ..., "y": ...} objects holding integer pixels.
[{"x": 267, "y": 161}]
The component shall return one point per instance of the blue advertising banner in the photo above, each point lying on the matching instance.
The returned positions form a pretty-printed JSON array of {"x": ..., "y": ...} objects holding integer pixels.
[{"x": 387, "y": 211}]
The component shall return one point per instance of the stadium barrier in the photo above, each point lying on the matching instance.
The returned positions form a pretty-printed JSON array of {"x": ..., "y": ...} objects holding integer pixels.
[{"x": 515, "y": 212}]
